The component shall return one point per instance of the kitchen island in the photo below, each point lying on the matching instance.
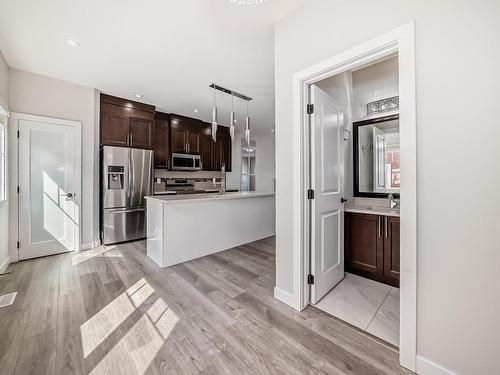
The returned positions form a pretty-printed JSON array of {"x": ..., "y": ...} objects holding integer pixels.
[{"x": 186, "y": 227}]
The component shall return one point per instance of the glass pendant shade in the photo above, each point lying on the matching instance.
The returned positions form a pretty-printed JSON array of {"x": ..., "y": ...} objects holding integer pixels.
[
  {"x": 214, "y": 123},
  {"x": 231, "y": 126},
  {"x": 247, "y": 130}
]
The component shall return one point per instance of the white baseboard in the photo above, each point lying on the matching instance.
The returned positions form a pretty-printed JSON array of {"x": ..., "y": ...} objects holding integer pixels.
[
  {"x": 427, "y": 367},
  {"x": 286, "y": 297},
  {"x": 4, "y": 265},
  {"x": 90, "y": 245}
]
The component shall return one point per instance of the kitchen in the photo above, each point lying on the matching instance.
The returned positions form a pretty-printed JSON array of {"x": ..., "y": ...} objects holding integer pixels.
[{"x": 154, "y": 162}]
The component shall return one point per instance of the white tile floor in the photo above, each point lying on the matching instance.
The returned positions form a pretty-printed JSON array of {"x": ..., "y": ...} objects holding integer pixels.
[{"x": 366, "y": 304}]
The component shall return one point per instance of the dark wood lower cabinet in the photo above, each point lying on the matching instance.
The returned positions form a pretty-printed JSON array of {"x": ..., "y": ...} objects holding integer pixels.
[
  {"x": 372, "y": 247},
  {"x": 391, "y": 247}
]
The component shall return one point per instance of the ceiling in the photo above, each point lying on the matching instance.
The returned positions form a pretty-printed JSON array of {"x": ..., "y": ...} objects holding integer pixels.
[{"x": 168, "y": 51}]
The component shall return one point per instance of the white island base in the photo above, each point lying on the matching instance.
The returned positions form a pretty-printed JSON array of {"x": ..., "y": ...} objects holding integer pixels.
[{"x": 182, "y": 228}]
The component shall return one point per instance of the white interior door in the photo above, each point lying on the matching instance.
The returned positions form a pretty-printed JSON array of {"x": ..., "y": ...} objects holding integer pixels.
[
  {"x": 48, "y": 188},
  {"x": 327, "y": 219}
]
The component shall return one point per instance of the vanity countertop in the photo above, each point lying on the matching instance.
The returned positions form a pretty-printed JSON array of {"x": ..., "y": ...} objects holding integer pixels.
[{"x": 374, "y": 210}]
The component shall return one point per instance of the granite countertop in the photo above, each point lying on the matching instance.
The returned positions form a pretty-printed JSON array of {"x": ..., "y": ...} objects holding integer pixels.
[{"x": 374, "y": 210}]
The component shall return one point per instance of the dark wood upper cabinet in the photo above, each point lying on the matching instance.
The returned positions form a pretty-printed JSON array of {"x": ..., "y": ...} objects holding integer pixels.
[
  {"x": 372, "y": 247},
  {"x": 391, "y": 247},
  {"x": 223, "y": 149},
  {"x": 207, "y": 152},
  {"x": 162, "y": 140},
  {"x": 194, "y": 140},
  {"x": 185, "y": 134},
  {"x": 126, "y": 123},
  {"x": 114, "y": 126},
  {"x": 179, "y": 138},
  {"x": 141, "y": 132}
]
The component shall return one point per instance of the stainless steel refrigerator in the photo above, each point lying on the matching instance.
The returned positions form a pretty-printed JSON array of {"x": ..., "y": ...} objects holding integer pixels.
[{"x": 127, "y": 177}]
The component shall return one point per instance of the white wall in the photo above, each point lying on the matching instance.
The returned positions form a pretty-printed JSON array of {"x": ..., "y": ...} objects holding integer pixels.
[
  {"x": 458, "y": 87},
  {"x": 375, "y": 82},
  {"x": 40, "y": 95},
  {"x": 265, "y": 161},
  {"x": 4, "y": 206}
]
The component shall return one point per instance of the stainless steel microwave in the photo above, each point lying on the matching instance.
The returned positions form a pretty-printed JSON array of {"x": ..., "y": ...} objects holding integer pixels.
[{"x": 186, "y": 162}]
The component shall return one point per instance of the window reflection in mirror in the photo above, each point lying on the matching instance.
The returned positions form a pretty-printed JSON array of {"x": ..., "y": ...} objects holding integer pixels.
[{"x": 376, "y": 157}]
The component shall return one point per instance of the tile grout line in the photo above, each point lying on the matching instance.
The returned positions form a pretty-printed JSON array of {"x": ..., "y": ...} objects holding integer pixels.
[{"x": 376, "y": 312}]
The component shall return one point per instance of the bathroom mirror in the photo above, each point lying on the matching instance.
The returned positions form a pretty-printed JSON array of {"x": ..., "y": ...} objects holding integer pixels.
[{"x": 376, "y": 157}]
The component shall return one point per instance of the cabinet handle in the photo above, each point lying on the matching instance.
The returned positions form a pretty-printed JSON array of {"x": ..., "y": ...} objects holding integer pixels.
[
  {"x": 379, "y": 226},
  {"x": 189, "y": 147},
  {"x": 386, "y": 230},
  {"x": 131, "y": 139}
]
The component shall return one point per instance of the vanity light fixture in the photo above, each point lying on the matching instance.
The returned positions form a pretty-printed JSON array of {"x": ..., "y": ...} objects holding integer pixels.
[{"x": 72, "y": 43}]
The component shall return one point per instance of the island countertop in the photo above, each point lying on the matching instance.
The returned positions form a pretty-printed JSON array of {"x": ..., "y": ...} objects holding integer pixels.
[
  {"x": 195, "y": 198},
  {"x": 185, "y": 227}
]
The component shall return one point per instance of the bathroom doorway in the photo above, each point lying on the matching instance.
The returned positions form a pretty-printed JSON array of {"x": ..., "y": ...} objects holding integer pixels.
[
  {"x": 399, "y": 42},
  {"x": 354, "y": 172}
]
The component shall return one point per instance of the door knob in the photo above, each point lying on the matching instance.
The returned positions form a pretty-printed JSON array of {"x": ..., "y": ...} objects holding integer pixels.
[
  {"x": 343, "y": 200},
  {"x": 69, "y": 195}
]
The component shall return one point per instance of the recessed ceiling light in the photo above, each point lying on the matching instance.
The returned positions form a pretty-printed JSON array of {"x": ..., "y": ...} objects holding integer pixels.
[
  {"x": 235, "y": 121},
  {"x": 138, "y": 96},
  {"x": 195, "y": 110},
  {"x": 72, "y": 43}
]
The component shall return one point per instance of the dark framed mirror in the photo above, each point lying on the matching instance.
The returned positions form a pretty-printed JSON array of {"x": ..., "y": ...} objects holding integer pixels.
[{"x": 376, "y": 159}]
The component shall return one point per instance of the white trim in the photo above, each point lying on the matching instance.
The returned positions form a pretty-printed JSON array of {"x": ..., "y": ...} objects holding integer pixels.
[
  {"x": 90, "y": 245},
  {"x": 402, "y": 41},
  {"x": 427, "y": 367},
  {"x": 4, "y": 265},
  {"x": 286, "y": 297},
  {"x": 14, "y": 173}
]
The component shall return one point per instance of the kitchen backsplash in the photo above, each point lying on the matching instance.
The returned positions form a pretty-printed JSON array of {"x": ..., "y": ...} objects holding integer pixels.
[{"x": 202, "y": 180}]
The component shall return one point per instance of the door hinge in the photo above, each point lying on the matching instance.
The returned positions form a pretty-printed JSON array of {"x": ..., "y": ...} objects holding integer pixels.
[
  {"x": 310, "y": 279},
  {"x": 310, "y": 194},
  {"x": 18, "y": 244},
  {"x": 18, "y": 134},
  {"x": 310, "y": 109},
  {"x": 18, "y": 190}
]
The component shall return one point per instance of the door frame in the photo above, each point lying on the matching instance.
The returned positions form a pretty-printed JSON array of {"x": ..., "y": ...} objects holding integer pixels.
[
  {"x": 402, "y": 41},
  {"x": 13, "y": 143}
]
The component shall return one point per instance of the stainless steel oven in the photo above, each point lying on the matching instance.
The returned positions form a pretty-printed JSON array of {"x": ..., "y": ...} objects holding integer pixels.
[{"x": 186, "y": 162}]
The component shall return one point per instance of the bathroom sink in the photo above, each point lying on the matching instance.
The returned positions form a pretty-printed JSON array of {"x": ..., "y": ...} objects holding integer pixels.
[{"x": 384, "y": 209}]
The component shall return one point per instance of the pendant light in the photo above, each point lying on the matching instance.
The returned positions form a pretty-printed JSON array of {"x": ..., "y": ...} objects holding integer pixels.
[
  {"x": 247, "y": 127},
  {"x": 231, "y": 121},
  {"x": 214, "y": 120}
]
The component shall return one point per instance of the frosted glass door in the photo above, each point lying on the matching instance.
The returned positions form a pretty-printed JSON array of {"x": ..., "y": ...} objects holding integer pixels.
[{"x": 48, "y": 214}]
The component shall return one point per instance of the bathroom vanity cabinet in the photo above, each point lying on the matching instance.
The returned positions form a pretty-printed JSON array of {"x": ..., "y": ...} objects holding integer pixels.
[{"x": 372, "y": 246}]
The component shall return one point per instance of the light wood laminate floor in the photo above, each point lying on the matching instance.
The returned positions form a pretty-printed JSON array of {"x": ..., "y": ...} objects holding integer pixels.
[{"x": 113, "y": 311}]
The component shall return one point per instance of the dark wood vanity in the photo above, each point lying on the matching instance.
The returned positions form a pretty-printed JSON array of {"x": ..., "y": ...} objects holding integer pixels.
[{"x": 372, "y": 246}]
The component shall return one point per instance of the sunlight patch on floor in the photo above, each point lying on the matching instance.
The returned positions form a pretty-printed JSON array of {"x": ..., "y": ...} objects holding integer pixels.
[
  {"x": 95, "y": 330},
  {"x": 135, "y": 352},
  {"x": 98, "y": 252}
]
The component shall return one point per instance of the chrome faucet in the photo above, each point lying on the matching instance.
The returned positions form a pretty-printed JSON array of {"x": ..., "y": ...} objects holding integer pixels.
[
  {"x": 393, "y": 202},
  {"x": 221, "y": 185}
]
